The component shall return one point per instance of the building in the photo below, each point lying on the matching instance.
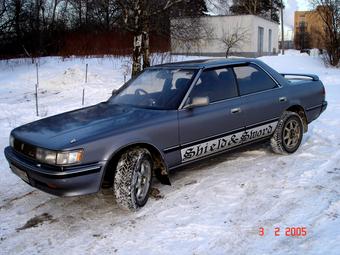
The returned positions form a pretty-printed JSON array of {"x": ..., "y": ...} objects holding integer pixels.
[
  {"x": 308, "y": 30},
  {"x": 259, "y": 36}
]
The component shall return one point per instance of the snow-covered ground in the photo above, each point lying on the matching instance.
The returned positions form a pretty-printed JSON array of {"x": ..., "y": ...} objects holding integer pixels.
[{"x": 214, "y": 207}]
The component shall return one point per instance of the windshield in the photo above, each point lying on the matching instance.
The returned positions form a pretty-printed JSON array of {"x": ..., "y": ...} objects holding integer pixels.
[{"x": 155, "y": 89}]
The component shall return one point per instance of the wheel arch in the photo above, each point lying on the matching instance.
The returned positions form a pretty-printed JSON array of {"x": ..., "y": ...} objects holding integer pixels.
[
  {"x": 302, "y": 113},
  {"x": 160, "y": 165}
]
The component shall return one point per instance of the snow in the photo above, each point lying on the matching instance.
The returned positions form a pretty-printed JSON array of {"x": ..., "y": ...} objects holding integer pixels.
[{"x": 213, "y": 207}]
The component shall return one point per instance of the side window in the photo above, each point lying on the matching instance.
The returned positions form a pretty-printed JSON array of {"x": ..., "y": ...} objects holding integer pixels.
[
  {"x": 252, "y": 79},
  {"x": 217, "y": 84}
]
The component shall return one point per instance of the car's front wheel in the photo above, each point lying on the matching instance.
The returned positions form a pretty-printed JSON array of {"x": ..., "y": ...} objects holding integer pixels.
[
  {"x": 133, "y": 178},
  {"x": 288, "y": 134}
]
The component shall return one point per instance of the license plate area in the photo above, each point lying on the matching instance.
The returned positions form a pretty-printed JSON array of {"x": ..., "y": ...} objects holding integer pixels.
[{"x": 21, "y": 173}]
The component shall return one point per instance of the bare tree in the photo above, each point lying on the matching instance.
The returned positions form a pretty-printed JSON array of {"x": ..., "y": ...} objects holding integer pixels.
[
  {"x": 40, "y": 27},
  {"x": 137, "y": 17},
  {"x": 329, "y": 11},
  {"x": 265, "y": 8},
  {"x": 233, "y": 38},
  {"x": 219, "y": 7},
  {"x": 5, "y": 22},
  {"x": 44, "y": 27},
  {"x": 188, "y": 33},
  {"x": 105, "y": 12}
]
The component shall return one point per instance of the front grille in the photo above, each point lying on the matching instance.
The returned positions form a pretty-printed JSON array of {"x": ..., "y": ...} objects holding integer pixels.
[{"x": 24, "y": 148}]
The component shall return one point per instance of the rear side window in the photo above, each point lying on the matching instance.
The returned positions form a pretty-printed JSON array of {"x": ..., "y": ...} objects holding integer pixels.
[
  {"x": 217, "y": 84},
  {"x": 252, "y": 79}
]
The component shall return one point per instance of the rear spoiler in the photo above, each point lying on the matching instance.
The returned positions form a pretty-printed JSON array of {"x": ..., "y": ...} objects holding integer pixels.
[{"x": 296, "y": 76}]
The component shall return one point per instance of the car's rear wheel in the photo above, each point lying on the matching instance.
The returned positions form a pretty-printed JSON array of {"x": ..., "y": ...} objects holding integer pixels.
[
  {"x": 133, "y": 178},
  {"x": 288, "y": 134}
]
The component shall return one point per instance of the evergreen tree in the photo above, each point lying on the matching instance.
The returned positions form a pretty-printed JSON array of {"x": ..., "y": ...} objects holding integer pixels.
[
  {"x": 266, "y": 8},
  {"x": 189, "y": 9}
]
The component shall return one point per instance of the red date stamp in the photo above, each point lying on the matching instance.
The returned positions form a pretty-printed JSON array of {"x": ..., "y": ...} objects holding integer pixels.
[{"x": 288, "y": 231}]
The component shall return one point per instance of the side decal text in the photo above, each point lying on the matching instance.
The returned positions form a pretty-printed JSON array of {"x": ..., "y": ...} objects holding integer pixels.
[{"x": 226, "y": 142}]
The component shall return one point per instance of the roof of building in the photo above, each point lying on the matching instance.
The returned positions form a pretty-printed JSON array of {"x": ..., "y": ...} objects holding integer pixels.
[{"x": 230, "y": 16}]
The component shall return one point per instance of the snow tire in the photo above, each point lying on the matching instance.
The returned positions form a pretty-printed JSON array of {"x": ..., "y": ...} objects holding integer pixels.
[
  {"x": 288, "y": 134},
  {"x": 128, "y": 189}
]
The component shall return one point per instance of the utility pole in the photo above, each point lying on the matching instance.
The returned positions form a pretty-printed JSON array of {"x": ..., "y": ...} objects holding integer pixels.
[
  {"x": 282, "y": 31},
  {"x": 271, "y": 9}
]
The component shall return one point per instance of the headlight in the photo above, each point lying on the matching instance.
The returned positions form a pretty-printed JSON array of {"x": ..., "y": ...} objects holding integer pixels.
[
  {"x": 46, "y": 156},
  {"x": 58, "y": 158},
  {"x": 69, "y": 157},
  {"x": 11, "y": 141}
]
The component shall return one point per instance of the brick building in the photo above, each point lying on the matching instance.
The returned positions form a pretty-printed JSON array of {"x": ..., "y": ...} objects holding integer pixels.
[{"x": 308, "y": 30}]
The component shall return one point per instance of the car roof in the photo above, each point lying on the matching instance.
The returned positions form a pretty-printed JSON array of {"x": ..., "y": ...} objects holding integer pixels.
[{"x": 206, "y": 63}]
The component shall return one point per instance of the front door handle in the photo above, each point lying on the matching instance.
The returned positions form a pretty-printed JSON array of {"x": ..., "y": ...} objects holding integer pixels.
[
  {"x": 235, "y": 110},
  {"x": 283, "y": 99}
]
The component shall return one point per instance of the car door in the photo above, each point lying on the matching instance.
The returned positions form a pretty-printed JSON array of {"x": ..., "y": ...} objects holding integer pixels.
[
  {"x": 206, "y": 130},
  {"x": 263, "y": 100}
]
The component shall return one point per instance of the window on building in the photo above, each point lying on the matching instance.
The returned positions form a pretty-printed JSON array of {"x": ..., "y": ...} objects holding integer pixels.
[
  {"x": 252, "y": 79},
  {"x": 260, "y": 40}
]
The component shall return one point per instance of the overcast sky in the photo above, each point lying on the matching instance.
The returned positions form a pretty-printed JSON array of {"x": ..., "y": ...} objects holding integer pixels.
[{"x": 291, "y": 7}]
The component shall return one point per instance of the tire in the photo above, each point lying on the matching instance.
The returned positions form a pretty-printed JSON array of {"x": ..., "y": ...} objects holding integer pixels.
[
  {"x": 133, "y": 178},
  {"x": 288, "y": 134}
]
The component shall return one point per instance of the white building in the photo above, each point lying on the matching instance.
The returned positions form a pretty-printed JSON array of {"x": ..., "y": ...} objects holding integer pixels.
[{"x": 260, "y": 36}]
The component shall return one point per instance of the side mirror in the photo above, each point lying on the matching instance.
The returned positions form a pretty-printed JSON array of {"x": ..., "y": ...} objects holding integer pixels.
[
  {"x": 114, "y": 92},
  {"x": 197, "y": 102}
]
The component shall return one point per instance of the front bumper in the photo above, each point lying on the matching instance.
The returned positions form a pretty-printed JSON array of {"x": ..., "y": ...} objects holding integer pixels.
[{"x": 71, "y": 181}]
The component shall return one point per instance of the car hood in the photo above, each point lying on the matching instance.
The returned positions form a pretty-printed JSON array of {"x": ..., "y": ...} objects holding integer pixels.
[{"x": 76, "y": 127}]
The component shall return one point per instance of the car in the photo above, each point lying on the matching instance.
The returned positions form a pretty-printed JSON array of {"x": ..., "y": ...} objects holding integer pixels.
[{"x": 168, "y": 116}]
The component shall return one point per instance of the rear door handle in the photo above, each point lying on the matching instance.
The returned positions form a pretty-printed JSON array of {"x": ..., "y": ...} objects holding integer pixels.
[
  {"x": 283, "y": 99},
  {"x": 235, "y": 110}
]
